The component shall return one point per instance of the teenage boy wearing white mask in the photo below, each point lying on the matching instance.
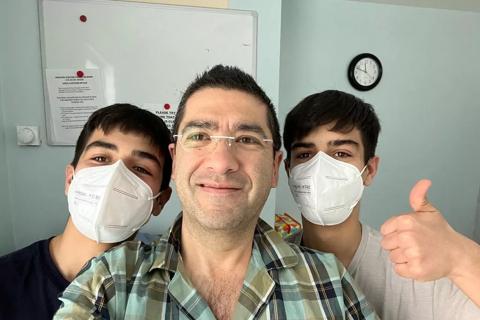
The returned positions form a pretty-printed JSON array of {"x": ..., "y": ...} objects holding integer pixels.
[
  {"x": 330, "y": 139},
  {"x": 118, "y": 178}
]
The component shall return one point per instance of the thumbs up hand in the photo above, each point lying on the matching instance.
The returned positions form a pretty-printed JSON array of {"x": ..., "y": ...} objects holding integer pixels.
[{"x": 421, "y": 243}]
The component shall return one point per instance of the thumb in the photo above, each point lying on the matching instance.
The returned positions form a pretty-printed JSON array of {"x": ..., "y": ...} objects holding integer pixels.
[{"x": 418, "y": 196}]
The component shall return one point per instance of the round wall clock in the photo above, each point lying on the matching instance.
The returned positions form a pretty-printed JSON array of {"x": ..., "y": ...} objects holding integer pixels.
[{"x": 365, "y": 71}]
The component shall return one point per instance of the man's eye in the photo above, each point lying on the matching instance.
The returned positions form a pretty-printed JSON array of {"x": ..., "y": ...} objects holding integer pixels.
[
  {"x": 198, "y": 136},
  {"x": 248, "y": 140}
]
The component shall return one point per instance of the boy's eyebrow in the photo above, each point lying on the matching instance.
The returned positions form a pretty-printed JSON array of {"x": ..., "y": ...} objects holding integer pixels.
[
  {"x": 101, "y": 144},
  {"x": 340, "y": 142},
  {"x": 334, "y": 143},
  {"x": 146, "y": 155},
  {"x": 297, "y": 145},
  {"x": 110, "y": 146}
]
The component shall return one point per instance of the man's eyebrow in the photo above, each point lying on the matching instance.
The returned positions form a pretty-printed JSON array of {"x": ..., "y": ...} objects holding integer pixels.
[
  {"x": 200, "y": 124},
  {"x": 146, "y": 155},
  {"x": 250, "y": 127},
  {"x": 101, "y": 144},
  {"x": 340, "y": 142},
  {"x": 211, "y": 125}
]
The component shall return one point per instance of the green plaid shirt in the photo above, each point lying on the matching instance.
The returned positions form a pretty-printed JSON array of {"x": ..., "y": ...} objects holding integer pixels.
[{"x": 283, "y": 281}]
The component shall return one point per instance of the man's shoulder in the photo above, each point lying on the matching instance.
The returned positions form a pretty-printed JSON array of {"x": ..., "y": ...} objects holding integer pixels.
[
  {"x": 128, "y": 258},
  {"x": 323, "y": 262}
]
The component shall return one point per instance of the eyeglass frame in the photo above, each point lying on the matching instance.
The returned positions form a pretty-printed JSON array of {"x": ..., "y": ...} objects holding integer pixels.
[{"x": 230, "y": 140}]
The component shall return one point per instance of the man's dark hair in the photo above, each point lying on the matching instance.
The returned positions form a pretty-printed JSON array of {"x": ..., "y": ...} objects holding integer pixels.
[
  {"x": 228, "y": 77},
  {"x": 332, "y": 106},
  {"x": 128, "y": 119}
]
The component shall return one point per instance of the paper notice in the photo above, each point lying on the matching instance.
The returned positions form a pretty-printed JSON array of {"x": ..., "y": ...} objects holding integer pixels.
[
  {"x": 73, "y": 96},
  {"x": 166, "y": 111}
]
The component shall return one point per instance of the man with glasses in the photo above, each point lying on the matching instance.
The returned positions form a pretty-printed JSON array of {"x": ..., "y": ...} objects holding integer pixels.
[{"x": 219, "y": 259}]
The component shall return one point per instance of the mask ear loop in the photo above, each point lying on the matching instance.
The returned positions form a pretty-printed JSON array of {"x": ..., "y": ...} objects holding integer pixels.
[
  {"x": 155, "y": 196},
  {"x": 150, "y": 214},
  {"x": 363, "y": 170}
]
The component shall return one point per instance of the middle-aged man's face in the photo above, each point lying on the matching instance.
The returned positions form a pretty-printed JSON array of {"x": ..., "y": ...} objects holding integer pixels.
[{"x": 224, "y": 187}]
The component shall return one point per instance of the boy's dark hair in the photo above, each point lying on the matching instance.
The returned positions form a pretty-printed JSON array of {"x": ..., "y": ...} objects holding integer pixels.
[
  {"x": 332, "y": 106},
  {"x": 129, "y": 118},
  {"x": 228, "y": 77}
]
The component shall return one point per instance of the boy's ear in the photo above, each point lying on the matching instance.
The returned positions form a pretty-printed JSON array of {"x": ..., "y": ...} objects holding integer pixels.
[
  {"x": 161, "y": 200},
  {"x": 171, "y": 149},
  {"x": 286, "y": 164},
  {"x": 69, "y": 171},
  {"x": 371, "y": 170}
]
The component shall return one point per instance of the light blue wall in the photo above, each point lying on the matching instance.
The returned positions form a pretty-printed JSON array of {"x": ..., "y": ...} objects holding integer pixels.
[
  {"x": 6, "y": 235},
  {"x": 427, "y": 101},
  {"x": 38, "y": 205}
]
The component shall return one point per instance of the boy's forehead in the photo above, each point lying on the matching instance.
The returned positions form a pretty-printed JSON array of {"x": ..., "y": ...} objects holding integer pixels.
[
  {"x": 121, "y": 138},
  {"x": 324, "y": 136}
]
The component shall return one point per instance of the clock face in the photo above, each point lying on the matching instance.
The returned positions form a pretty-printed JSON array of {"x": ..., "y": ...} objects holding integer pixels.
[{"x": 365, "y": 71}]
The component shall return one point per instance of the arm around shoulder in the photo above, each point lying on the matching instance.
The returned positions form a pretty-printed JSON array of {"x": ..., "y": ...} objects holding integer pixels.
[{"x": 87, "y": 297}]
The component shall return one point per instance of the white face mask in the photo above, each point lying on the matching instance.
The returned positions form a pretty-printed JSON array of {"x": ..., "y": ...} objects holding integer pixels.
[
  {"x": 326, "y": 190},
  {"x": 109, "y": 203}
]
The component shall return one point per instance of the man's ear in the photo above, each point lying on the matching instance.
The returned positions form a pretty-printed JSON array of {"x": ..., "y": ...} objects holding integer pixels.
[
  {"x": 371, "y": 170},
  {"x": 286, "y": 164},
  {"x": 69, "y": 171},
  {"x": 277, "y": 159},
  {"x": 160, "y": 201},
  {"x": 171, "y": 149}
]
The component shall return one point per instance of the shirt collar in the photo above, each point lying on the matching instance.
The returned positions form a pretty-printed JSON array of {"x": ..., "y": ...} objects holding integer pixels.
[{"x": 274, "y": 251}]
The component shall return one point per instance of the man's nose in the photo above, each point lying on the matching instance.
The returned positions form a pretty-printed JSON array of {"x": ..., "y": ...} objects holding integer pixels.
[{"x": 223, "y": 157}]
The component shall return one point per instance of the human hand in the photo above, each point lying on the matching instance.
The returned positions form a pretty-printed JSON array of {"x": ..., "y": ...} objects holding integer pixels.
[{"x": 422, "y": 245}]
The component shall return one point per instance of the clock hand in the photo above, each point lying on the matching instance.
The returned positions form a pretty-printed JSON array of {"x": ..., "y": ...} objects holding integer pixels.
[{"x": 358, "y": 68}]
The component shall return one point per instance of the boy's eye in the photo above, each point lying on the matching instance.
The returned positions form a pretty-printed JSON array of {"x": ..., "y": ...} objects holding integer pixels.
[
  {"x": 303, "y": 155},
  {"x": 340, "y": 154},
  {"x": 142, "y": 170},
  {"x": 100, "y": 159}
]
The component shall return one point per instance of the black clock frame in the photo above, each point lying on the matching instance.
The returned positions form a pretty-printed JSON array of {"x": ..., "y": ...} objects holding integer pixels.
[{"x": 351, "y": 69}]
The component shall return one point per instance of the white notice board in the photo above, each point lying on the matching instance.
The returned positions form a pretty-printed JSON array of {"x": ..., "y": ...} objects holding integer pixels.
[{"x": 99, "y": 52}]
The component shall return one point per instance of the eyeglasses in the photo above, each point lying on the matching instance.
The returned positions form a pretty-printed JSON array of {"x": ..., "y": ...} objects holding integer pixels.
[{"x": 202, "y": 141}]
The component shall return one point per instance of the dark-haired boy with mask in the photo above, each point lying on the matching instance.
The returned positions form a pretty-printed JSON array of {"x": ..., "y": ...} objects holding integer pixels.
[
  {"x": 118, "y": 178},
  {"x": 330, "y": 138}
]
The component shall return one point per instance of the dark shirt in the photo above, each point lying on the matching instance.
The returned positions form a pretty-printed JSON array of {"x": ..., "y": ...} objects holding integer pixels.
[{"x": 30, "y": 283}]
